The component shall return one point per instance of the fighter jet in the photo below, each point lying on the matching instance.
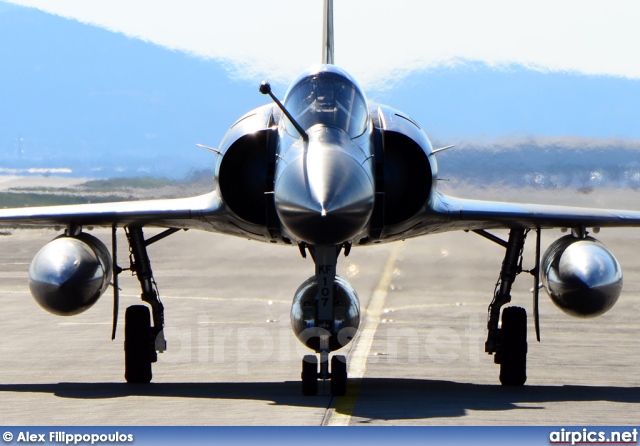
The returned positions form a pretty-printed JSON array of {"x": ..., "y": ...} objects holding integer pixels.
[{"x": 326, "y": 171}]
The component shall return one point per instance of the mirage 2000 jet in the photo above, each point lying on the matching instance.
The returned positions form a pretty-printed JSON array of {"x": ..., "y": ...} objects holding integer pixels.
[{"x": 325, "y": 171}]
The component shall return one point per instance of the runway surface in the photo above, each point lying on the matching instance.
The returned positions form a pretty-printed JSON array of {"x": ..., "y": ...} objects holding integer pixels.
[{"x": 233, "y": 360}]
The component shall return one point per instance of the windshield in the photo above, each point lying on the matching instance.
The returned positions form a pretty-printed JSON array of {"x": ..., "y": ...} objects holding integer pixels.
[{"x": 327, "y": 99}]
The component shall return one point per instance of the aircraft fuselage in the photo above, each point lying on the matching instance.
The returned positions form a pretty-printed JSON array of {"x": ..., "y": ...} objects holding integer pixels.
[{"x": 327, "y": 187}]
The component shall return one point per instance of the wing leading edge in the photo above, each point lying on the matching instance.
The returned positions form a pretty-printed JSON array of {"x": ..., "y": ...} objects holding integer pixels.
[
  {"x": 200, "y": 212},
  {"x": 444, "y": 213},
  {"x": 478, "y": 214}
]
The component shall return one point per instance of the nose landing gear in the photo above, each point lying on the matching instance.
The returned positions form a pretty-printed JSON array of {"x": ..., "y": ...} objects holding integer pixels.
[
  {"x": 327, "y": 322},
  {"x": 338, "y": 375}
]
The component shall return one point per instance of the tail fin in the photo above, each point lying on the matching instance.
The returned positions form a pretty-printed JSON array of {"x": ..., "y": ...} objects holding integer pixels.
[{"x": 327, "y": 33}]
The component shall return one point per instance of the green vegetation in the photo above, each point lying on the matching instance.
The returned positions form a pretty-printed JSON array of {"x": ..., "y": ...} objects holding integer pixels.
[
  {"x": 127, "y": 183},
  {"x": 49, "y": 192},
  {"x": 12, "y": 199}
]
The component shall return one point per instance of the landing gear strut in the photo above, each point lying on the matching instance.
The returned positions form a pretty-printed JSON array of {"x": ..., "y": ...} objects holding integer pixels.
[
  {"x": 508, "y": 343},
  {"x": 143, "y": 340},
  {"x": 325, "y": 259}
]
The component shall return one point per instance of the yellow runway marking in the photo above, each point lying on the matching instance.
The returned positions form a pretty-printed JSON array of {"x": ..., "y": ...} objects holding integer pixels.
[{"x": 341, "y": 415}]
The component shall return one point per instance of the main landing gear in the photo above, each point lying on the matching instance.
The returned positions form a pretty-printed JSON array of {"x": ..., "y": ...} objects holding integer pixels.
[
  {"x": 507, "y": 340},
  {"x": 142, "y": 339},
  {"x": 138, "y": 349}
]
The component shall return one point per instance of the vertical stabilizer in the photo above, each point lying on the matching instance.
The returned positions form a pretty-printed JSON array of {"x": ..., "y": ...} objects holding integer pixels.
[{"x": 327, "y": 33}]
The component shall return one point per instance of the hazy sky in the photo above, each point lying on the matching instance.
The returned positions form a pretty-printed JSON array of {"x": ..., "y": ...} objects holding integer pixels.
[
  {"x": 376, "y": 40},
  {"x": 135, "y": 84}
]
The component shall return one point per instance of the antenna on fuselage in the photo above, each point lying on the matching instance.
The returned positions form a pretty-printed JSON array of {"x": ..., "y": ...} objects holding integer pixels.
[
  {"x": 265, "y": 88},
  {"x": 210, "y": 149},
  {"x": 327, "y": 33}
]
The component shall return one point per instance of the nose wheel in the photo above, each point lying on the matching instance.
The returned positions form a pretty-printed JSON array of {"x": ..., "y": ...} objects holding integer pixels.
[
  {"x": 338, "y": 375},
  {"x": 310, "y": 374}
]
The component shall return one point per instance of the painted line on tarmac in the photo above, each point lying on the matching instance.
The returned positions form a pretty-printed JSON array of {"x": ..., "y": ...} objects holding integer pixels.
[
  {"x": 341, "y": 414},
  {"x": 70, "y": 324}
]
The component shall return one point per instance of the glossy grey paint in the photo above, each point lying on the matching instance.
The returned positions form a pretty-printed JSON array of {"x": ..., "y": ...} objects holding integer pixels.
[
  {"x": 69, "y": 274},
  {"x": 271, "y": 185},
  {"x": 327, "y": 33},
  {"x": 324, "y": 189},
  {"x": 346, "y": 307},
  {"x": 209, "y": 212},
  {"x": 581, "y": 276}
]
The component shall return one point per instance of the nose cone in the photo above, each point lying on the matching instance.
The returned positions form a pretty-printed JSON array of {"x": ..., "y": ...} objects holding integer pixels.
[{"x": 324, "y": 197}]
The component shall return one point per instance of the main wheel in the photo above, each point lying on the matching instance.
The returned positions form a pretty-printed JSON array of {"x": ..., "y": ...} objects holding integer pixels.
[
  {"x": 338, "y": 375},
  {"x": 513, "y": 365},
  {"x": 137, "y": 335},
  {"x": 310, "y": 375}
]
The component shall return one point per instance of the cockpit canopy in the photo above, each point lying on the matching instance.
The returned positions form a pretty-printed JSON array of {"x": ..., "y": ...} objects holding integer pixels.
[{"x": 328, "y": 98}]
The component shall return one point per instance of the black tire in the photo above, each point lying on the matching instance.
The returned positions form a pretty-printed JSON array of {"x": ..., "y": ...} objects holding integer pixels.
[
  {"x": 310, "y": 375},
  {"x": 513, "y": 366},
  {"x": 338, "y": 375},
  {"x": 137, "y": 345}
]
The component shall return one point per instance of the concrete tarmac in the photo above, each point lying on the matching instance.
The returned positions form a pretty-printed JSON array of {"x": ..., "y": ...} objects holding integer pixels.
[{"x": 233, "y": 360}]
